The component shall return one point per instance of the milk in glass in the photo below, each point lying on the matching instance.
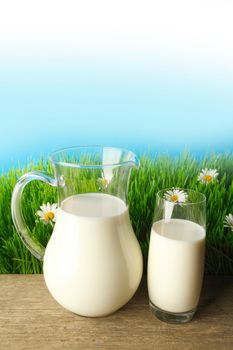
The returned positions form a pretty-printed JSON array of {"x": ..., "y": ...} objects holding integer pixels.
[{"x": 176, "y": 264}]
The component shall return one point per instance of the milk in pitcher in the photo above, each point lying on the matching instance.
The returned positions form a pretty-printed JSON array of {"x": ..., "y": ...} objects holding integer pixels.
[{"x": 89, "y": 264}]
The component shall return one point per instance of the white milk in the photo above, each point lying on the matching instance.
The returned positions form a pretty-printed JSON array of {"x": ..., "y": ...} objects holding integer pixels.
[
  {"x": 176, "y": 264},
  {"x": 93, "y": 261}
]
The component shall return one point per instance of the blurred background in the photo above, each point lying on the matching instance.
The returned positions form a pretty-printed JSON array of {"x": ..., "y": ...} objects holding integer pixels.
[{"x": 151, "y": 76}]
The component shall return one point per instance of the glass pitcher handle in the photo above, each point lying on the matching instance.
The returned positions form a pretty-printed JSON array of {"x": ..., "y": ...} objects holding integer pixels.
[{"x": 16, "y": 210}]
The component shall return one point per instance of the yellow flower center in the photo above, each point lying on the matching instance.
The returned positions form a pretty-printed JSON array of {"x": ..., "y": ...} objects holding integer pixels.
[
  {"x": 208, "y": 178},
  {"x": 104, "y": 182},
  {"x": 174, "y": 198},
  {"x": 49, "y": 216}
]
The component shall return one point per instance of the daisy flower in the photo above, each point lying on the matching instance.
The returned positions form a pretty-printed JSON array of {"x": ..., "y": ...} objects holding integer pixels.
[
  {"x": 176, "y": 196},
  {"x": 229, "y": 221},
  {"x": 103, "y": 182},
  {"x": 47, "y": 213},
  {"x": 207, "y": 175}
]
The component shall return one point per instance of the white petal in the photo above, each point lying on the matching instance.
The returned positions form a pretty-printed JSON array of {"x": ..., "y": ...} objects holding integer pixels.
[
  {"x": 170, "y": 193},
  {"x": 43, "y": 207},
  {"x": 39, "y": 213},
  {"x": 54, "y": 206}
]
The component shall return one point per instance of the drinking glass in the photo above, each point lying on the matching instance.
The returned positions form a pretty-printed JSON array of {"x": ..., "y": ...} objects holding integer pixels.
[{"x": 176, "y": 254}]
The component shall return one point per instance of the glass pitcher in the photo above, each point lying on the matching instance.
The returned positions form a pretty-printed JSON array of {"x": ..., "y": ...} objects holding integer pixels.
[{"x": 93, "y": 262}]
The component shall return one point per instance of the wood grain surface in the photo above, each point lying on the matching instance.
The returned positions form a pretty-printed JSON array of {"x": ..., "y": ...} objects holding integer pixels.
[{"x": 31, "y": 319}]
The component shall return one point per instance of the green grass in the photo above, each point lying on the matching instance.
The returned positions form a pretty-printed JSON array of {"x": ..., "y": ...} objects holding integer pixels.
[{"x": 153, "y": 175}]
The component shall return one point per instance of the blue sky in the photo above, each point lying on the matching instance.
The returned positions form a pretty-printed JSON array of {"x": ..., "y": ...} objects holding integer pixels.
[{"x": 160, "y": 92}]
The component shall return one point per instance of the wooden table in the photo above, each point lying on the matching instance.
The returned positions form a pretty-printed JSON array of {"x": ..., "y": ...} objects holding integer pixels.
[{"x": 31, "y": 319}]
